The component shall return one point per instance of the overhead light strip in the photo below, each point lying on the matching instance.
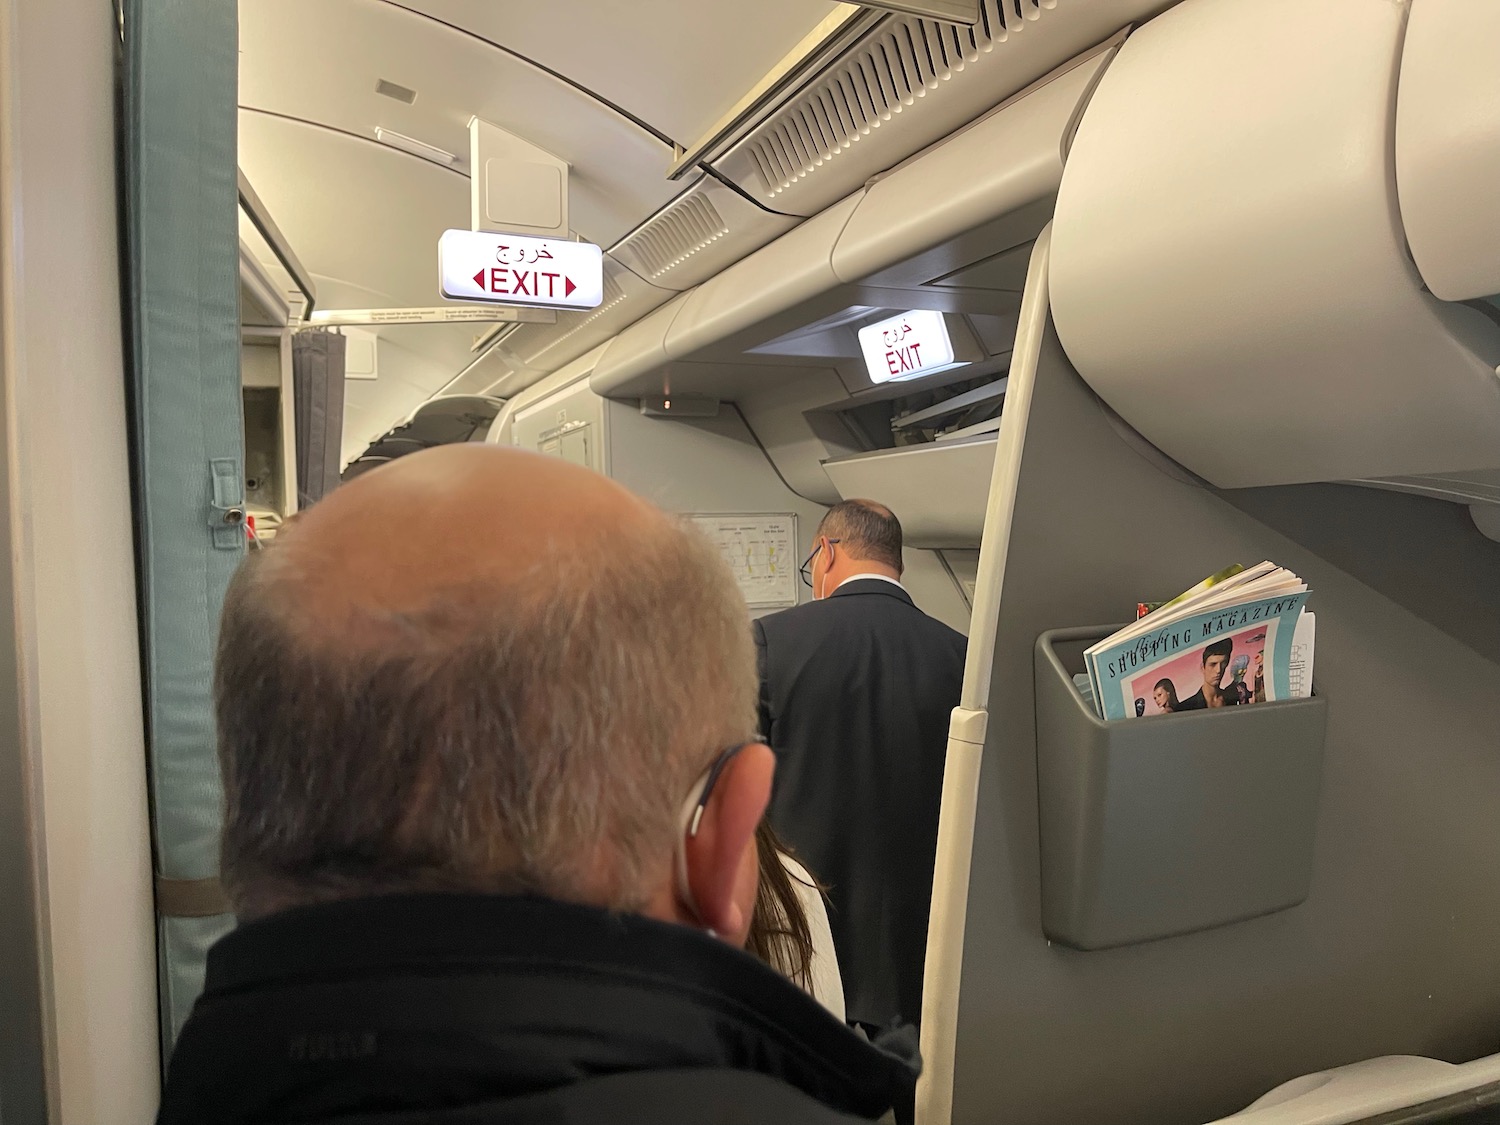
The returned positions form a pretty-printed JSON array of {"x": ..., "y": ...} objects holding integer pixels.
[{"x": 414, "y": 147}]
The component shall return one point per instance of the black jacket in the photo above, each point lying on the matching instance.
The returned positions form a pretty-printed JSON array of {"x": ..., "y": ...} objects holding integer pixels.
[
  {"x": 477, "y": 1010},
  {"x": 856, "y": 695}
]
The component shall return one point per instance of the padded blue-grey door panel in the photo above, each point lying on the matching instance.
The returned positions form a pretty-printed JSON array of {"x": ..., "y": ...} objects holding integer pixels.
[{"x": 180, "y": 97}]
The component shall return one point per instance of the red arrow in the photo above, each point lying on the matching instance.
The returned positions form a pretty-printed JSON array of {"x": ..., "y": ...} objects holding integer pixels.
[
  {"x": 479, "y": 279},
  {"x": 568, "y": 286}
]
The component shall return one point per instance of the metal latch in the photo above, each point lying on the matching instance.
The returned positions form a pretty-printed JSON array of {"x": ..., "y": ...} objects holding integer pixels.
[{"x": 226, "y": 508}]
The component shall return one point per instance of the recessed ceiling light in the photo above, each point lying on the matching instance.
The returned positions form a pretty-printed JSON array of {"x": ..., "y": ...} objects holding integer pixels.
[
  {"x": 414, "y": 146},
  {"x": 393, "y": 90}
]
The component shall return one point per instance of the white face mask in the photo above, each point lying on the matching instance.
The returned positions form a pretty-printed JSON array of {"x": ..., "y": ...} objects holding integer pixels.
[
  {"x": 691, "y": 817},
  {"x": 819, "y": 586}
]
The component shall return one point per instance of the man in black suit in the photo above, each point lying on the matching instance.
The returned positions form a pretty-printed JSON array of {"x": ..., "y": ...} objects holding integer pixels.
[{"x": 856, "y": 692}]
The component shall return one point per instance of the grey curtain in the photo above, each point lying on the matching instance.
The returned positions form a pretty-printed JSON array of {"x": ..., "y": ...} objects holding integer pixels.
[{"x": 318, "y": 381}]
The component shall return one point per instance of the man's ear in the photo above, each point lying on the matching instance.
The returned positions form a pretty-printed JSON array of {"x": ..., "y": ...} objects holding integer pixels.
[
  {"x": 721, "y": 871},
  {"x": 825, "y": 553}
]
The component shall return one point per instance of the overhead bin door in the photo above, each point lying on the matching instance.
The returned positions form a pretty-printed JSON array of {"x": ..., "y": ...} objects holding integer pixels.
[
  {"x": 1229, "y": 270},
  {"x": 1448, "y": 145}
]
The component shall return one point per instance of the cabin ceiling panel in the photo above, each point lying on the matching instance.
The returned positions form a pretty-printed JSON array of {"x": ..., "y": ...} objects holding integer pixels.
[
  {"x": 447, "y": 346},
  {"x": 334, "y": 196},
  {"x": 618, "y": 168},
  {"x": 678, "y": 65},
  {"x": 353, "y": 211}
]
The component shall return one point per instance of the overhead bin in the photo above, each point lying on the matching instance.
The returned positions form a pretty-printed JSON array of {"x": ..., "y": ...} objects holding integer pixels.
[
  {"x": 938, "y": 490},
  {"x": 626, "y": 297},
  {"x": 902, "y": 230},
  {"x": 698, "y": 234},
  {"x": 1448, "y": 145},
  {"x": 641, "y": 347},
  {"x": 791, "y": 271},
  {"x": 984, "y": 191},
  {"x": 909, "y": 83},
  {"x": 1228, "y": 272},
  {"x": 905, "y": 84}
]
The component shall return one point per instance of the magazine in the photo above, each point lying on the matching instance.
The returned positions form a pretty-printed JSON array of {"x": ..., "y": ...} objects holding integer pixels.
[
  {"x": 1301, "y": 674},
  {"x": 1302, "y": 655},
  {"x": 1143, "y": 608},
  {"x": 1237, "y": 638}
]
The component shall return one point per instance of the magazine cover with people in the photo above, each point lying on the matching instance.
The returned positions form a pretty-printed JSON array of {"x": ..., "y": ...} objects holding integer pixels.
[{"x": 1227, "y": 644}]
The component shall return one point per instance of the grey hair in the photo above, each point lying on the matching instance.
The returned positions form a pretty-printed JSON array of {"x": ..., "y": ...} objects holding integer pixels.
[{"x": 542, "y": 739}]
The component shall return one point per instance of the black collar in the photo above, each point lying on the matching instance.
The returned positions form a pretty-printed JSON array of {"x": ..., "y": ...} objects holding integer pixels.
[
  {"x": 437, "y": 999},
  {"x": 873, "y": 586}
]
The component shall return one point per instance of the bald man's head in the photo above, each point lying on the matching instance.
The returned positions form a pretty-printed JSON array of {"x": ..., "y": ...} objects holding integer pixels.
[
  {"x": 869, "y": 532},
  {"x": 426, "y": 525},
  {"x": 473, "y": 669}
]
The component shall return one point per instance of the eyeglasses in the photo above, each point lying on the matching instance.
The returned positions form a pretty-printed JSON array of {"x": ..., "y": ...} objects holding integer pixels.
[
  {"x": 806, "y": 568},
  {"x": 692, "y": 812}
]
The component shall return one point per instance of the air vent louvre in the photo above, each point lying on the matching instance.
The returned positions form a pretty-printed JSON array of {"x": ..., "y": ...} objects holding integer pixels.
[
  {"x": 694, "y": 223},
  {"x": 905, "y": 60},
  {"x": 393, "y": 90}
]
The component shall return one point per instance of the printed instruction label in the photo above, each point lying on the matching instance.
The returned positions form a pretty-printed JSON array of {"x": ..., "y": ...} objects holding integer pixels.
[{"x": 761, "y": 551}]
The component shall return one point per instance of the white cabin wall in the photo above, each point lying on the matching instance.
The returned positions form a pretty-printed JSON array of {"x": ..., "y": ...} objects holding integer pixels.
[
  {"x": 406, "y": 379},
  {"x": 523, "y": 401},
  {"x": 715, "y": 465},
  {"x": 704, "y": 466},
  {"x": 932, "y": 587},
  {"x": 689, "y": 466},
  {"x": 798, "y": 438},
  {"x": 72, "y": 546}
]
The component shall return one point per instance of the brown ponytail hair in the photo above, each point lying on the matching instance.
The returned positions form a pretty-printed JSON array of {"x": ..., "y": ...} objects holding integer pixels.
[{"x": 779, "y": 932}]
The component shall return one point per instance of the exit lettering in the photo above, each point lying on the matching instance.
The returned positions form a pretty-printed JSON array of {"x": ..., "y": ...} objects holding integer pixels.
[
  {"x": 505, "y": 281},
  {"x": 908, "y": 358}
]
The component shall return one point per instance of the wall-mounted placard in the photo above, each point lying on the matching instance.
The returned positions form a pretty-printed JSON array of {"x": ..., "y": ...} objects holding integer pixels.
[{"x": 761, "y": 550}]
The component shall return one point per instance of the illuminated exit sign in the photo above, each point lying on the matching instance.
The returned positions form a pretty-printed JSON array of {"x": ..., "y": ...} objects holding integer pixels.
[
  {"x": 512, "y": 269},
  {"x": 906, "y": 346}
]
